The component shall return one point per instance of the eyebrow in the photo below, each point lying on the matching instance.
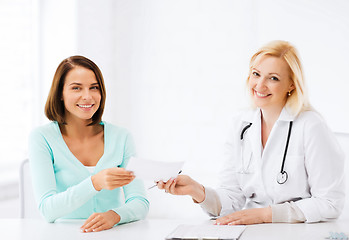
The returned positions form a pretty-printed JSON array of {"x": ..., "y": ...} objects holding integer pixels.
[
  {"x": 268, "y": 73},
  {"x": 75, "y": 83},
  {"x": 275, "y": 74}
]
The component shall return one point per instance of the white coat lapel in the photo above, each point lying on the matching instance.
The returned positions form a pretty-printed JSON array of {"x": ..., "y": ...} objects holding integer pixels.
[
  {"x": 277, "y": 138},
  {"x": 253, "y": 136}
]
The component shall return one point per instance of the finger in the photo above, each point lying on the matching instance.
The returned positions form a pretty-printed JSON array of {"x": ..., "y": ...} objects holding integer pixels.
[
  {"x": 168, "y": 184},
  {"x": 236, "y": 222},
  {"x": 118, "y": 177},
  {"x": 226, "y": 219},
  {"x": 113, "y": 180},
  {"x": 101, "y": 228},
  {"x": 88, "y": 220},
  {"x": 120, "y": 171},
  {"x": 172, "y": 188},
  {"x": 160, "y": 184},
  {"x": 95, "y": 226},
  {"x": 88, "y": 225}
]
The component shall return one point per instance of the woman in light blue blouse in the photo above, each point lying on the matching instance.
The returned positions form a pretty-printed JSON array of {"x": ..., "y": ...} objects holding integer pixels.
[{"x": 78, "y": 161}]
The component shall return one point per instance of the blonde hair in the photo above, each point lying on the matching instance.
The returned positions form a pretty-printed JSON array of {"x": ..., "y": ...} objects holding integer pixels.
[{"x": 298, "y": 101}]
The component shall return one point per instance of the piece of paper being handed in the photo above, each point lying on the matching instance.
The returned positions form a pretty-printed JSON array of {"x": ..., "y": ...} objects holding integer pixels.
[{"x": 153, "y": 171}]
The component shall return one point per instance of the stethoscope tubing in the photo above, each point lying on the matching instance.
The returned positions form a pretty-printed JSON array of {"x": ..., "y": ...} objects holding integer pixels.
[{"x": 282, "y": 175}]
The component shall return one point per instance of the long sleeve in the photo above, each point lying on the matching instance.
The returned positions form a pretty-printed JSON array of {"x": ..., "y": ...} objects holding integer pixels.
[
  {"x": 287, "y": 212},
  {"x": 53, "y": 204},
  {"x": 136, "y": 205},
  {"x": 324, "y": 162},
  {"x": 63, "y": 186},
  {"x": 211, "y": 204}
]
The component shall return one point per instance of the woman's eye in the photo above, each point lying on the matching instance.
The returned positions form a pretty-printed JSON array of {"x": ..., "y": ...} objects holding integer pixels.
[
  {"x": 95, "y": 88},
  {"x": 274, "y": 78},
  {"x": 75, "y": 88},
  {"x": 256, "y": 74}
]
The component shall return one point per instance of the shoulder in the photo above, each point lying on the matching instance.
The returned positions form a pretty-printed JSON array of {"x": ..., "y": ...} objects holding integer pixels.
[
  {"x": 115, "y": 131},
  {"x": 244, "y": 117},
  {"x": 314, "y": 126},
  {"x": 48, "y": 129},
  {"x": 310, "y": 118}
]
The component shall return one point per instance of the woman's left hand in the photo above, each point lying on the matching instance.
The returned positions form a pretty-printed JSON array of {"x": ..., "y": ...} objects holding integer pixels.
[
  {"x": 246, "y": 217},
  {"x": 100, "y": 221}
]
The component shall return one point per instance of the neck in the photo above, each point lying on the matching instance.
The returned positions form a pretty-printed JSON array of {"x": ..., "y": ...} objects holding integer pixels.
[
  {"x": 269, "y": 116},
  {"x": 78, "y": 129}
]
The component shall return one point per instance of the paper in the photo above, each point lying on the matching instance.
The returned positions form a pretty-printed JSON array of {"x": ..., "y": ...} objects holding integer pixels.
[
  {"x": 205, "y": 231},
  {"x": 154, "y": 170}
]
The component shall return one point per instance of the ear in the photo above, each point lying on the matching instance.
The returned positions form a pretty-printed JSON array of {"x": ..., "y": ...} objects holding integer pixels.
[{"x": 292, "y": 87}]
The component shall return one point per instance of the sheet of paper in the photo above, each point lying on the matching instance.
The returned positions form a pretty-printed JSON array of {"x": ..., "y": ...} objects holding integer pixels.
[
  {"x": 154, "y": 170},
  {"x": 205, "y": 231}
]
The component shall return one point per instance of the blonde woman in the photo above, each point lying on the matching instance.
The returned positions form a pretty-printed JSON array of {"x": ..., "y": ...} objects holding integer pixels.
[{"x": 283, "y": 164}]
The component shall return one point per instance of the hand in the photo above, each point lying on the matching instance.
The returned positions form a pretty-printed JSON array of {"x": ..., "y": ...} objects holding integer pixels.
[
  {"x": 100, "y": 221},
  {"x": 246, "y": 217},
  {"x": 112, "y": 178},
  {"x": 184, "y": 185}
]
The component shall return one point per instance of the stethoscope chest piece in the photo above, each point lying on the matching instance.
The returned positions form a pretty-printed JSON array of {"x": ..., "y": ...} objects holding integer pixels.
[{"x": 282, "y": 177}]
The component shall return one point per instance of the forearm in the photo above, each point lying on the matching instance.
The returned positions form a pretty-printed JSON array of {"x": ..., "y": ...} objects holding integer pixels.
[
  {"x": 136, "y": 205},
  {"x": 55, "y": 205},
  {"x": 287, "y": 212},
  {"x": 211, "y": 203},
  {"x": 133, "y": 210}
]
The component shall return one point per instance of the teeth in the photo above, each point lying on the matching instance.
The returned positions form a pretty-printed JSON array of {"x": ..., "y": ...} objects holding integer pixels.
[
  {"x": 260, "y": 94},
  {"x": 85, "y": 106}
]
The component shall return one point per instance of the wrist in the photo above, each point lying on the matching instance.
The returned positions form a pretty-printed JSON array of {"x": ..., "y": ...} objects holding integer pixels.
[
  {"x": 267, "y": 216},
  {"x": 198, "y": 194},
  {"x": 116, "y": 217},
  {"x": 95, "y": 183}
]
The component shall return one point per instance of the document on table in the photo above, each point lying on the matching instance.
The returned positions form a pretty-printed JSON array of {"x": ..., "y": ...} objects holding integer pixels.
[
  {"x": 154, "y": 170},
  {"x": 205, "y": 231}
]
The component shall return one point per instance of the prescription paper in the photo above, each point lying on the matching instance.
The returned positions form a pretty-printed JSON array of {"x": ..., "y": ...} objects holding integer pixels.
[{"x": 154, "y": 171}]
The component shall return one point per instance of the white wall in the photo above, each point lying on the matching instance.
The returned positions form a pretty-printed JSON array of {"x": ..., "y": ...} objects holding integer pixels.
[{"x": 175, "y": 70}]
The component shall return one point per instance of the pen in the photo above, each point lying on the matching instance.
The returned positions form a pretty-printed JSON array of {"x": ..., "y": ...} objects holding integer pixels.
[{"x": 157, "y": 182}]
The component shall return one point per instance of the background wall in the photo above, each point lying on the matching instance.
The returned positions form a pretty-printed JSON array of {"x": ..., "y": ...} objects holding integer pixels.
[{"x": 175, "y": 71}]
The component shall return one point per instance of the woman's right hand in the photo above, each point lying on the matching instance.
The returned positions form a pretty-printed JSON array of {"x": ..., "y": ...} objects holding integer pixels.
[
  {"x": 112, "y": 178},
  {"x": 184, "y": 185}
]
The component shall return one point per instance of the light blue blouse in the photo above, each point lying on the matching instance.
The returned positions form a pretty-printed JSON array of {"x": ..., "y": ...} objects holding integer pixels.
[{"x": 63, "y": 186}]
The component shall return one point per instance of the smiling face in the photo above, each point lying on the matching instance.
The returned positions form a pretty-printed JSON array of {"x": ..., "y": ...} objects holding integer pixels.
[
  {"x": 81, "y": 94},
  {"x": 269, "y": 83}
]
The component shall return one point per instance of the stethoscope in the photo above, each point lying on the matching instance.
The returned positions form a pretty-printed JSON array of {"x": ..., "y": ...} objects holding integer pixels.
[{"x": 282, "y": 175}]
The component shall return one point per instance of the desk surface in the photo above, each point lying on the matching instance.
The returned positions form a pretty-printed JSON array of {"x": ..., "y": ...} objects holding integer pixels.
[{"x": 11, "y": 229}]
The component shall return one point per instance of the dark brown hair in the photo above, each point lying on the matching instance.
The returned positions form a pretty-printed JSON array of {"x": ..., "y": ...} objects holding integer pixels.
[{"x": 54, "y": 108}]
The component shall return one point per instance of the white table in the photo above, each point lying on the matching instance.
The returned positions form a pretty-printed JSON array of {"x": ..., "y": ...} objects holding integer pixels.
[{"x": 37, "y": 229}]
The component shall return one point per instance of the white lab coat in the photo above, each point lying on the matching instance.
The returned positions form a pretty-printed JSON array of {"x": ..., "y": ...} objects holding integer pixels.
[{"x": 314, "y": 164}]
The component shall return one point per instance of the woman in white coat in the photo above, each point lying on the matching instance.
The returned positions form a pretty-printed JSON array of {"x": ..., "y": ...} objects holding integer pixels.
[{"x": 283, "y": 164}]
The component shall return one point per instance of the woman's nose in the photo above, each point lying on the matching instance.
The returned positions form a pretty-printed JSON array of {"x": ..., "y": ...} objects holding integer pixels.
[
  {"x": 86, "y": 94},
  {"x": 261, "y": 82}
]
